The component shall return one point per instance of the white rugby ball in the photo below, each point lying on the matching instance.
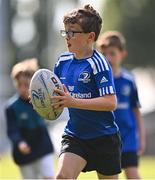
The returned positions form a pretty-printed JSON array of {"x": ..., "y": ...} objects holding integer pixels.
[{"x": 41, "y": 88}]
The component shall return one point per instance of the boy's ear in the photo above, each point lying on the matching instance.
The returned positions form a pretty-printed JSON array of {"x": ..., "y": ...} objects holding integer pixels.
[
  {"x": 125, "y": 54},
  {"x": 92, "y": 36}
]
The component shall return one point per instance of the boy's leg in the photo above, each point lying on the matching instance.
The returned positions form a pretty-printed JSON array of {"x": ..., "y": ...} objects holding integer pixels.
[
  {"x": 46, "y": 168},
  {"x": 70, "y": 165},
  {"x": 132, "y": 173},
  {"x": 29, "y": 171},
  {"x": 130, "y": 165},
  {"x": 101, "y": 176}
]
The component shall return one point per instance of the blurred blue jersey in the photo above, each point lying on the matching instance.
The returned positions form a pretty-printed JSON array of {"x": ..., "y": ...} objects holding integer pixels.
[
  {"x": 87, "y": 78},
  {"x": 127, "y": 97}
]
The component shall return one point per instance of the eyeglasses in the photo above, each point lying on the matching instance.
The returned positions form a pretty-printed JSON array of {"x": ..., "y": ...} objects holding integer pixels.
[{"x": 69, "y": 34}]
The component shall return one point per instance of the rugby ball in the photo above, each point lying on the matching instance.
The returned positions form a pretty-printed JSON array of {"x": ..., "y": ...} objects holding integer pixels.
[{"x": 41, "y": 88}]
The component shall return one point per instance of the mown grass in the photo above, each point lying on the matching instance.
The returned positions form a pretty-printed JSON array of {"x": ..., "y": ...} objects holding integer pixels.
[{"x": 8, "y": 170}]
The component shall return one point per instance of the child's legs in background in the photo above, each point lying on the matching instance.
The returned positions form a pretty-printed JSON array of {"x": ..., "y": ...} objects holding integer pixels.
[
  {"x": 46, "y": 166},
  {"x": 130, "y": 164},
  {"x": 41, "y": 168},
  {"x": 132, "y": 173},
  {"x": 30, "y": 171}
]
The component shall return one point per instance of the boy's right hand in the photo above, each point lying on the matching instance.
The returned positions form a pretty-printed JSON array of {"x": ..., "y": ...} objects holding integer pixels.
[
  {"x": 24, "y": 147},
  {"x": 29, "y": 98}
]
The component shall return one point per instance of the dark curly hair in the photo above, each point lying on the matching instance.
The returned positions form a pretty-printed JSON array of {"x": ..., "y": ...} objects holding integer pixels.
[{"x": 88, "y": 18}]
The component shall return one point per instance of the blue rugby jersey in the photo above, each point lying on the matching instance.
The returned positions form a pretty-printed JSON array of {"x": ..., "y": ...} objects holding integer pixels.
[
  {"x": 127, "y": 97},
  {"x": 87, "y": 78}
]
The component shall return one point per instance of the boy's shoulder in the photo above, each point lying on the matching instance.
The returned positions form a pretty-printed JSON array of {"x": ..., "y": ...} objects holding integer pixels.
[
  {"x": 64, "y": 57},
  {"x": 98, "y": 62},
  {"x": 12, "y": 101},
  {"x": 127, "y": 75},
  {"x": 99, "y": 55}
]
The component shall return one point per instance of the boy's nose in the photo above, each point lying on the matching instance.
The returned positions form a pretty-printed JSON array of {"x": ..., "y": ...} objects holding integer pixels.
[{"x": 67, "y": 38}]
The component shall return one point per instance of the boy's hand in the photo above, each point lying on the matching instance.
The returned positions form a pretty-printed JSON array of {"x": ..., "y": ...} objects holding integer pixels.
[
  {"x": 141, "y": 148},
  {"x": 63, "y": 100},
  {"x": 24, "y": 147},
  {"x": 29, "y": 98}
]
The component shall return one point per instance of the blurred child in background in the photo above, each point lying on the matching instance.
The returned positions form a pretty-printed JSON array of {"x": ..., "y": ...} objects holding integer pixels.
[
  {"x": 128, "y": 117},
  {"x": 32, "y": 148}
]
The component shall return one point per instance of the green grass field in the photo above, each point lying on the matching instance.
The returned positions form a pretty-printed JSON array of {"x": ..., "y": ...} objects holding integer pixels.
[{"x": 8, "y": 170}]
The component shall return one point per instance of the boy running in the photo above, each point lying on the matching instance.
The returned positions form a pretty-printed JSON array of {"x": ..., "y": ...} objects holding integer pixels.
[{"x": 91, "y": 139}]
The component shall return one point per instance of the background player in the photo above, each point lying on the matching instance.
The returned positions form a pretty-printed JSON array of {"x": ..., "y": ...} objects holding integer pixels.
[
  {"x": 32, "y": 148},
  {"x": 91, "y": 140},
  {"x": 128, "y": 117}
]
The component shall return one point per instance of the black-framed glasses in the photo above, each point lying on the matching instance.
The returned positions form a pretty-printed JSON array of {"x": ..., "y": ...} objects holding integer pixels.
[{"x": 69, "y": 34}]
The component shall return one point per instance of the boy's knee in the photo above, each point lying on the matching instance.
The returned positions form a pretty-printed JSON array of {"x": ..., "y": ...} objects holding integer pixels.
[
  {"x": 60, "y": 176},
  {"x": 64, "y": 175}
]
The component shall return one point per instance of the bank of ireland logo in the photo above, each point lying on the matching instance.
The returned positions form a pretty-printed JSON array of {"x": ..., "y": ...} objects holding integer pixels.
[{"x": 84, "y": 77}]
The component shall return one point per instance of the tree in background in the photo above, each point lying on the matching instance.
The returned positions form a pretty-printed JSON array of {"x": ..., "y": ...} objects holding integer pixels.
[{"x": 135, "y": 19}]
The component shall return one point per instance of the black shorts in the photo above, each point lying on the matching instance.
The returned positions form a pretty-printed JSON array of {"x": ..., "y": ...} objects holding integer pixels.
[
  {"x": 129, "y": 159},
  {"x": 103, "y": 154}
]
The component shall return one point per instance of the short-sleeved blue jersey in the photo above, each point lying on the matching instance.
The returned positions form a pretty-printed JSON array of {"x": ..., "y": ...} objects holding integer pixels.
[
  {"x": 127, "y": 97},
  {"x": 87, "y": 78}
]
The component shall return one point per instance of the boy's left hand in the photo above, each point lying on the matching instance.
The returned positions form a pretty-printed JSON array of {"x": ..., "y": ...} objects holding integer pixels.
[
  {"x": 64, "y": 99},
  {"x": 141, "y": 148}
]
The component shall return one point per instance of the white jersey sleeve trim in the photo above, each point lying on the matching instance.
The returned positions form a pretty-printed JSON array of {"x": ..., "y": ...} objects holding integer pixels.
[
  {"x": 102, "y": 91},
  {"x": 93, "y": 66},
  {"x": 106, "y": 90},
  {"x": 102, "y": 59},
  {"x": 99, "y": 62},
  {"x": 64, "y": 58},
  {"x": 111, "y": 90},
  {"x": 97, "y": 65}
]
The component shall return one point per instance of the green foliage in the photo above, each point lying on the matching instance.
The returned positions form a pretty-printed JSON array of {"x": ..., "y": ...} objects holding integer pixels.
[
  {"x": 112, "y": 16},
  {"x": 135, "y": 19}
]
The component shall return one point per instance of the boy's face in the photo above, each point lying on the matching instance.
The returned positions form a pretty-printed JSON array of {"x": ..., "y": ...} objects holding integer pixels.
[
  {"x": 22, "y": 86},
  {"x": 76, "y": 42},
  {"x": 114, "y": 55}
]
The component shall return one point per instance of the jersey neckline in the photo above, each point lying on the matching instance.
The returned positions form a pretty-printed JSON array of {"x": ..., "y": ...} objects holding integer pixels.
[{"x": 82, "y": 59}]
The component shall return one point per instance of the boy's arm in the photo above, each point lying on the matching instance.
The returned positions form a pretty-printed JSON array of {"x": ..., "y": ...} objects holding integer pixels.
[
  {"x": 104, "y": 103},
  {"x": 141, "y": 130},
  {"x": 12, "y": 130},
  {"x": 135, "y": 104},
  {"x": 14, "y": 134}
]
